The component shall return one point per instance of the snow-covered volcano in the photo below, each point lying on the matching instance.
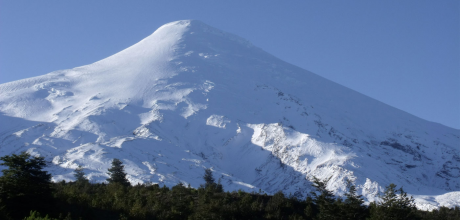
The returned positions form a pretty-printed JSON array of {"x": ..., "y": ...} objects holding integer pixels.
[{"x": 190, "y": 96}]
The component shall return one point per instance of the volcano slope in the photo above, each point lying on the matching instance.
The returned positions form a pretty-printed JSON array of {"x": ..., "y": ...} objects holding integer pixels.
[{"x": 190, "y": 97}]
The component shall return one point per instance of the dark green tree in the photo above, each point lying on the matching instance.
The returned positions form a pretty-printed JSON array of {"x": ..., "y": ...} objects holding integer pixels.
[
  {"x": 325, "y": 200},
  {"x": 219, "y": 187},
  {"x": 278, "y": 206},
  {"x": 24, "y": 186},
  {"x": 80, "y": 175},
  {"x": 353, "y": 207},
  {"x": 210, "y": 182},
  {"x": 209, "y": 178},
  {"x": 117, "y": 173},
  {"x": 394, "y": 204},
  {"x": 310, "y": 208}
]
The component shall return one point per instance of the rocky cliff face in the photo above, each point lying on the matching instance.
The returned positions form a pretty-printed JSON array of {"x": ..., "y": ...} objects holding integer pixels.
[{"x": 190, "y": 97}]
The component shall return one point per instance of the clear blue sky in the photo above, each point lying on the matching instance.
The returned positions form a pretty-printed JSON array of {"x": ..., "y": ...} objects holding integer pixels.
[{"x": 403, "y": 53}]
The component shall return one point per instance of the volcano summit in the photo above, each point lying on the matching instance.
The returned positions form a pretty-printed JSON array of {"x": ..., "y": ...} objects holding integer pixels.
[{"x": 190, "y": 96}]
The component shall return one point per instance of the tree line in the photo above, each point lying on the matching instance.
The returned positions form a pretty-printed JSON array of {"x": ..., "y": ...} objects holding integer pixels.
[{"x": 26, "y": 192}]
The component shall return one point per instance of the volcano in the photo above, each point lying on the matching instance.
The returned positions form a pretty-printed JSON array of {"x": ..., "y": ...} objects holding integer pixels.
[{"x": 190, "y": 96}]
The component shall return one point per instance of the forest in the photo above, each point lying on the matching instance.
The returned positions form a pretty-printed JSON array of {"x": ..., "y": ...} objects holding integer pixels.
[{"x": 26, "y": 192}]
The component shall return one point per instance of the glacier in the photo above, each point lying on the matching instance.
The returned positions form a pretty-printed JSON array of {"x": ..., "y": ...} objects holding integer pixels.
[{"x": 190, "y": 96}]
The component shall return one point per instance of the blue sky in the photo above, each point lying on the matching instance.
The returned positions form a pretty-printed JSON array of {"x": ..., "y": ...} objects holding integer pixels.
[{"x": 403, "y": 53}]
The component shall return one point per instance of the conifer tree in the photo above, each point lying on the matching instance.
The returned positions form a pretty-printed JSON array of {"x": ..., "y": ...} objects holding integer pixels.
[
  {"x": 393, "y": 206},
  {"x": 219, "y": 187},
  {"x": 210, "y": 182},
  {"x": 309, "y": 210},
  {"x": 325, "y": 200},
  {"x": 117, "y": 173},
  {"x": 354, "y": 204},
  {"x": 80, "y": 175},
  {"x": 276, "y": 206},
  {"x": 208, "y": 178},
  {"x": 24, "y": 185}
]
